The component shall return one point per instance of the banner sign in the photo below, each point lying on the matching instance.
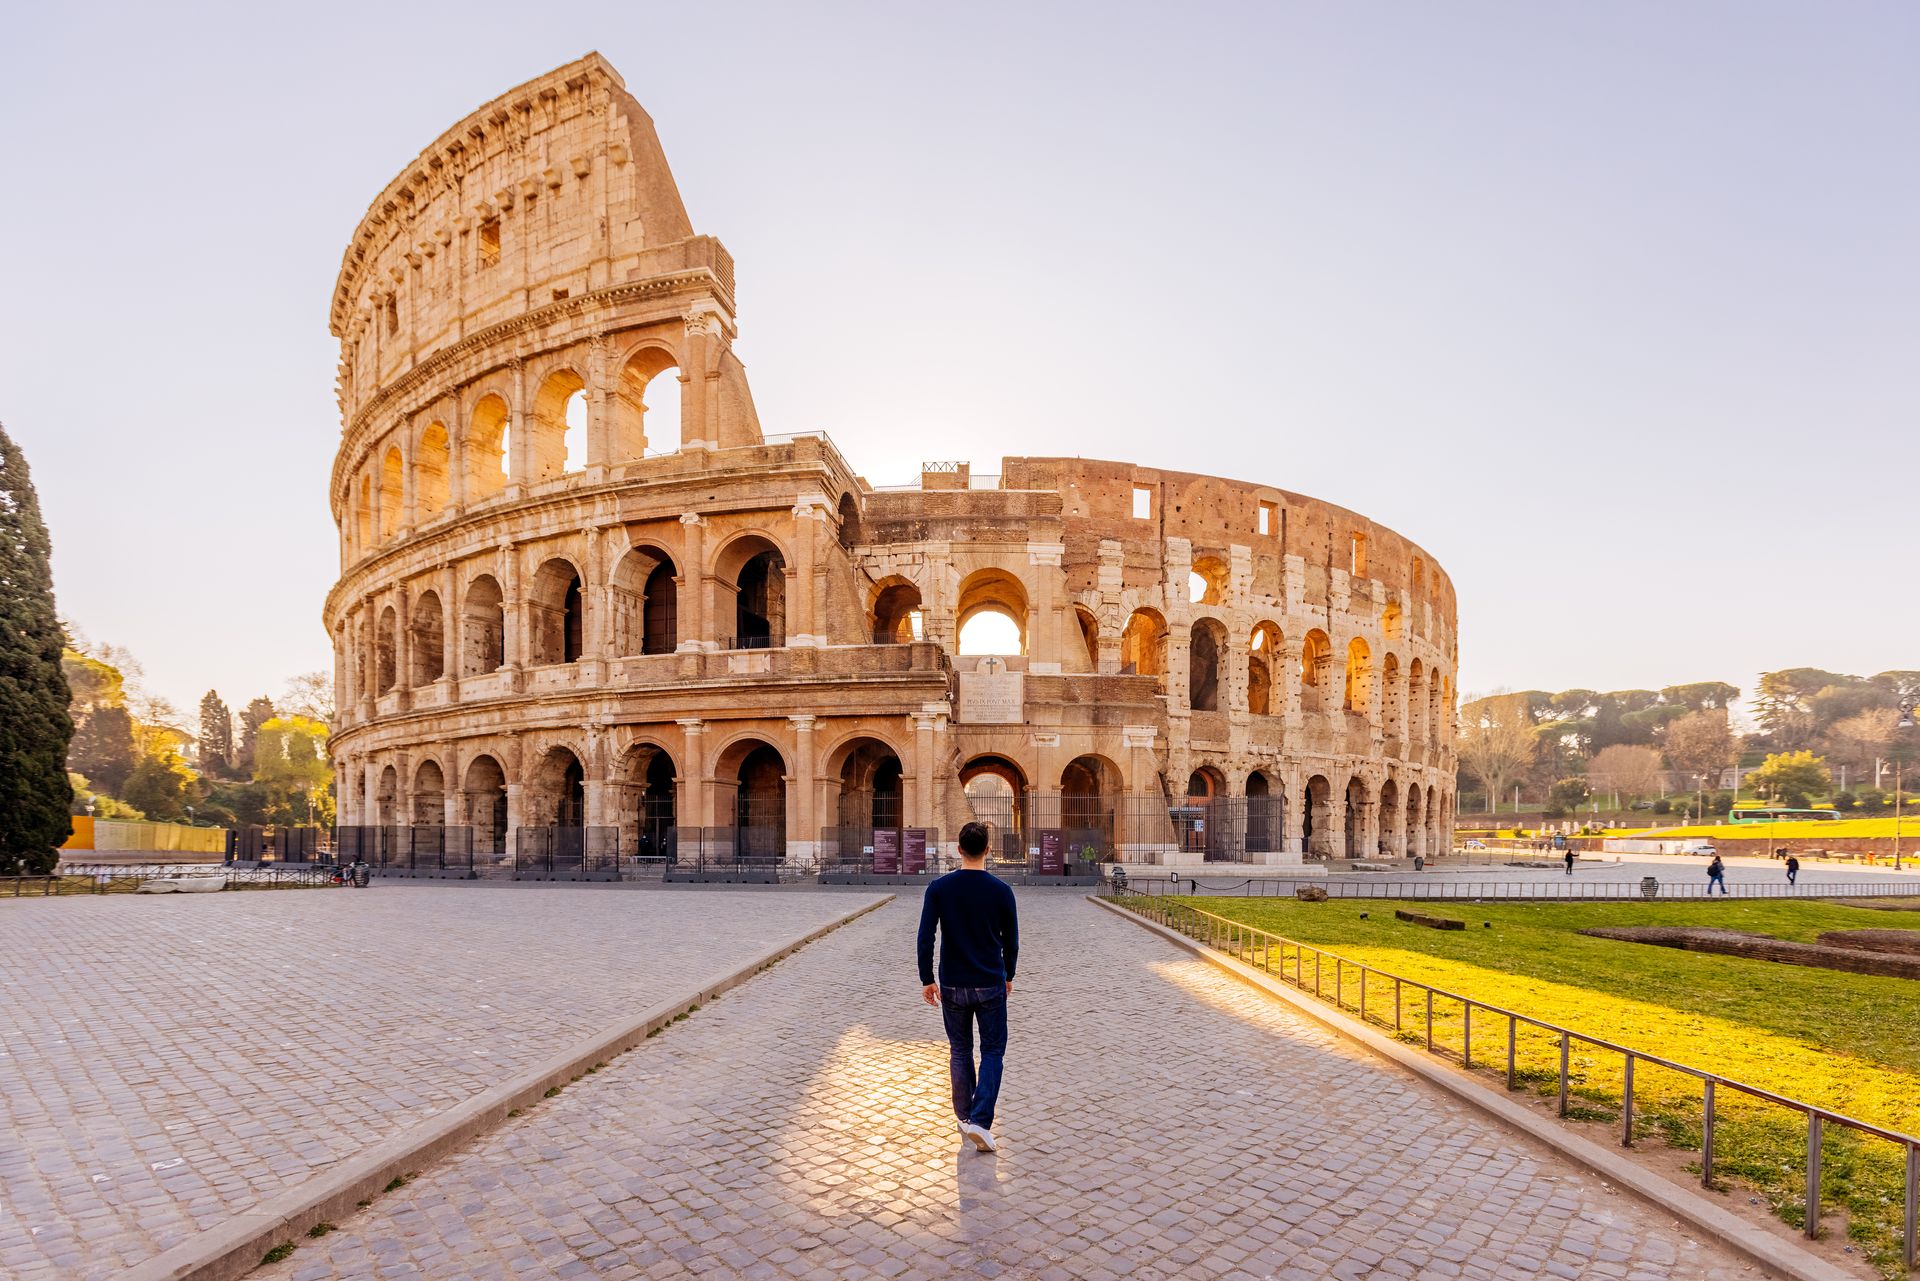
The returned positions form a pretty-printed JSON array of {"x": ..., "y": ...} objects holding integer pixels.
[
  {"x": 1051, "y": 853},
  {"x": 886, "y": 851},
  {"x": 913, "y": 851}
]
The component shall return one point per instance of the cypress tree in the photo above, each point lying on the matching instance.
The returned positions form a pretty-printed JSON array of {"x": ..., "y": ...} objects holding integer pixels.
[
  {"x": 34, "y": 725},
  {"x": 216, "y": 736}
]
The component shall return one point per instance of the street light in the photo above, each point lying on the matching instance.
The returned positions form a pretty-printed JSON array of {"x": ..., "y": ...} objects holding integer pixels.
[{"x": 1907, "y": 705}]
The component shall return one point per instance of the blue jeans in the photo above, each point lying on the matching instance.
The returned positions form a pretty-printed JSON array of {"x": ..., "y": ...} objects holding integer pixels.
[
  {"x": 1713, "y": 880},
  {"x": 973, "y": 1099}
]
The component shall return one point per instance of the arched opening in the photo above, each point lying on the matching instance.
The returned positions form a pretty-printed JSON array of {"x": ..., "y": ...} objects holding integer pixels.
[
  {"x": 483, "y": 628},
  {"x": 1359, "y": 688},
  {"x": 557, "y": 615},
  {"x": 1316, "y": 656},
  {"x": 1143, "y": 644},
  {"x": 1090, "y": 787},
  {"x": 871, "y": 794},
  {"x": 896, "y": 614},
  {"x": 386, "y": 798},
  {"x": 756, "y": 775},
  {"x": 657, "y": 827},
  {"x": 560, "y": 791},
  {"x": 1357, "y": 801},
  {"x": 429, "y": 795},
  {"x": 488, "y": 448},
  {"x": 553, "y": 445},
  {"x": 1266, "y": 814},
  {"x": 433, "y": 471},
  {"x": 1089, "y": 635},
  {"x": 992, "y": 613},
  {"x": 485, "y": 797},
  {"x": 393, "y": 493},
  {"x": 1203, "y": 666},
  {"x": 1390, "y": 837},
  {"x": 996, "y": 792},
  {"x": 428, "y": 640},
  {"x": 1196, "y": 822},
  {"x": 385, "y": 675},
  {"x": 1263, "y": 657},
  {"x": 760, "y": 603},
  {"x": 644, "y": 603},
  {"x": 646, "y": 409},
  {"x": 1317, "y": 821},
  {"x": 849, "y": 510},
  {"x": 1207, "y": 582}
]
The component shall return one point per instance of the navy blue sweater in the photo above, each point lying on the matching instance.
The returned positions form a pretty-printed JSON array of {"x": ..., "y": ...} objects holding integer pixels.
[{"x": 979, "y": 931}]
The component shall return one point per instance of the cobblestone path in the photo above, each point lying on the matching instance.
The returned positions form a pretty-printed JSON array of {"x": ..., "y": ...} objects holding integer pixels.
[
  {"x": 1159, "y": 1120},
  {"x": 170, "y": 1060}
]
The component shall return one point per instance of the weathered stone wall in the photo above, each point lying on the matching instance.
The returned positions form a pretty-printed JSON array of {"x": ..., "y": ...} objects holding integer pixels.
[
  {"x": 696, "y": 624},
  {"x": 1760, "y": 947}
]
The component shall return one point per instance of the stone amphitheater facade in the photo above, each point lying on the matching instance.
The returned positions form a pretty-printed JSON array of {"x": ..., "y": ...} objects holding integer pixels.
[{"x": 555, "y": 609}]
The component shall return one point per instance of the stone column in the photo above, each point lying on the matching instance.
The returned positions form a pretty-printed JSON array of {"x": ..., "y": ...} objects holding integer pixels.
[
  {"x": 369, "y": 661},
  {"x": 520, "y": 445},
  {"x": 802, "y": 803},
  {"x": 403, "y": 645},
  {"x": 450, "y": 793},
  {"x": 600, "y": 404},
  {"x": 691, "y": 586},
  {"x": 517, "y": 618},
  {"x": 451, "y": 640},
  {"x": 693, "y": 806},
  {"x": 596, "y": 599},
  {"x": 1046, "y": 635},
  {"x": 920, "y": 809},
  {"x": 800, "y": 582},
  {"x": 1139, "y": 836},
  {"x": 1294, "y": 818},
  {"x": 1286, "y": 681}
]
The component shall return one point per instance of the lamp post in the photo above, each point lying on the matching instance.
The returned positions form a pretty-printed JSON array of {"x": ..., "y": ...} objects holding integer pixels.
[{"x": 1899, "y": 761}]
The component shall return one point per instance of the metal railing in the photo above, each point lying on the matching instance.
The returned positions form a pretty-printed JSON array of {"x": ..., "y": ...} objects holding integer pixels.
[
  {"x": 122, "y": 878},
  {"x": 1572, "y": 889},
  {"x": 1273, "y": 953}
]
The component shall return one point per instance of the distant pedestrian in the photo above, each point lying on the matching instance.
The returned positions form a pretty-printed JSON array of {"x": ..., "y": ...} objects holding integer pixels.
[
  {"x": 1793, "y": 870},
  {"x": 1716, "y": 875},
  {"x": 972, "y": 911},
  {"x": 1569, "y": 861}
]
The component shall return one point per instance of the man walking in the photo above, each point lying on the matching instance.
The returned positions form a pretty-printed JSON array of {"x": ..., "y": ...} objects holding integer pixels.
[
  {"x": 973, "y": 911},
  {"x": 1793, "y": 869},
  {"x": 1716, "y": 875},
  {"x": 1569, "y": 860}
]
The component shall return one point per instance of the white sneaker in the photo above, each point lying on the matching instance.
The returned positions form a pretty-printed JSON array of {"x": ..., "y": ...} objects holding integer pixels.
[{"x": 981, "y": 1138}]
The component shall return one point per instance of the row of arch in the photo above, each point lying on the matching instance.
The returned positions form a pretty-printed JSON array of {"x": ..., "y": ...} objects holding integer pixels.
[
  {"x": 643, "y": 600},
  {"x": 424, "y": 473}
]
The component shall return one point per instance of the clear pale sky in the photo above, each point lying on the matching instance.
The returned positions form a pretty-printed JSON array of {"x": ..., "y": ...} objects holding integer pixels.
[{"x": 1615, "y": 307}]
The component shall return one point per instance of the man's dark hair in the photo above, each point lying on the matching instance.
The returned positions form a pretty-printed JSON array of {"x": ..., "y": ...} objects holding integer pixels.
[{"x": 973, "y": 840}]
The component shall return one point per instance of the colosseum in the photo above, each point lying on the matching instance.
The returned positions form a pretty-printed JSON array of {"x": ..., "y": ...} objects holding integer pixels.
[{"x": 586, "y": 601}]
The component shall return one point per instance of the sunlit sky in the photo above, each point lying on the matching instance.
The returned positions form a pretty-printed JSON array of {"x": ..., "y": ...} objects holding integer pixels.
[{"x": 1615, "y": 308}]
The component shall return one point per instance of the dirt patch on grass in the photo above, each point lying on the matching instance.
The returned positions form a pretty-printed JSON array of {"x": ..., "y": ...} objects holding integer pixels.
[
  {"x": 1760, "y": 947},
  {"x": 1900, "y": 942}
]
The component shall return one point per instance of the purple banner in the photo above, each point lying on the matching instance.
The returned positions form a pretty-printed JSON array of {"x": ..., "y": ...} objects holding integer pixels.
[
  {"x": 886, "y": 851},
  {"x": 1050, "y": 853},
  {"x": 913, "y": 850}
]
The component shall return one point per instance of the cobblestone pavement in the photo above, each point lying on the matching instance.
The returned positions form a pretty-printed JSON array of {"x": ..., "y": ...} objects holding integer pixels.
[
  {"x": 170, "y": 1060},
  {"x": 1159, "y": 1120}
]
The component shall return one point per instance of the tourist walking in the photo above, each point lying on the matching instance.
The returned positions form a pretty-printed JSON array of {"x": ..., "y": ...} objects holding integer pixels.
[
  {"x": 1716, "y": 875},
  {"x": 1569, "y": 860},
  {"x": 973, "y": 912},
  {"x": 1793, "y": 869}
]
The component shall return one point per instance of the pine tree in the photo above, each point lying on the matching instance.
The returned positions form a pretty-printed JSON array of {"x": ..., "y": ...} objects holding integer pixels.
[
  {"x": 258, "y": 713},
  {"x": 103, "y": 749},
  {"x": 34, "y": 725},
  {"x": 216, "y": 736}
]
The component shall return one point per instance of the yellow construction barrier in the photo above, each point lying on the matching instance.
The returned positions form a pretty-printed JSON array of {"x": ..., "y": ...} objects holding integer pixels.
[{"x": 115, "y": 835}]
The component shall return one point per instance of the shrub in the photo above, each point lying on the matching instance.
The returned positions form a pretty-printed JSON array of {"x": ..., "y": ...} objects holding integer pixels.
[{"x": 1663, "y": 806}]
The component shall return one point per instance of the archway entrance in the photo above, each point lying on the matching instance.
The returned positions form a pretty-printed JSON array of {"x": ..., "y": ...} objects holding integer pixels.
[
  {"x": 871, "y": 798},
  {"x": 1089, "y": 793},
  {"x": 996, "y": 791},
  {"x": 1317, "y": 823},
  {"x": 656, "y": 837},
  {"x": 1198, "y": 819},
  {"x": 760, "y": 806},
  {"x": 1266, "y": 814},
  {"x": 485, "y": 792}
]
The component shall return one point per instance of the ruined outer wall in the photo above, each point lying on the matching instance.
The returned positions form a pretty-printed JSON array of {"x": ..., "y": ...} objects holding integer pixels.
[{"x": 526, "y": 631}]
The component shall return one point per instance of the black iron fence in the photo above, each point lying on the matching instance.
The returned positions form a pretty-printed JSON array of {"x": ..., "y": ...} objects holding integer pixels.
[
  {"x": 884, "y": 851},
  {"x": 276, "y": 844},
  {"x": 1145, "y": 881},
  {"x": 423, "y": 851},
  {"x": 566, "y": 854}
]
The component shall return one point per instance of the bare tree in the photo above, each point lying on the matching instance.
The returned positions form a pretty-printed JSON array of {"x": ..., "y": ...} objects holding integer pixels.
[
  {"x": 1628, "y": 769},
  {"x": 310, "y": 694},
  {"x": 1863, "y": 738},
  {"x": 1497, "y": 741},
  {"x": 1702, "y": 743}
]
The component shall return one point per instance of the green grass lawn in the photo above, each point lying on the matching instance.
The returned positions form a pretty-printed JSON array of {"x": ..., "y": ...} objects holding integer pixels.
[{"x": 1849, "y": 1042}]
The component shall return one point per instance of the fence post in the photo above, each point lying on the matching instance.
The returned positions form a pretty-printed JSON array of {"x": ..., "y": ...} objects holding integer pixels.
[
  {"x": 1513, "y": 1035},
  {"x": 1910, "y": 1250},
  {"x": 1466, "y": 1035},
  {"x": 1339, "y": 982},
  {"x": 1563, "y": 1072},
  {"x": 1396, "y": 1002},
  {"x": 1363, "y": 994},
  {"x": 1626, "y": 1104},
  {"x": 1316, "y": 972},
  {"x": 1813, "y": 1175},
  {"x": 1706, "y": 1141}
]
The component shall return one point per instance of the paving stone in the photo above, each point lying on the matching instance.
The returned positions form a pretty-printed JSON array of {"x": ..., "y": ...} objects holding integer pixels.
[
  {"x": 179, "y": 1058},
  {"x": 1176, "y": 1122}
]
